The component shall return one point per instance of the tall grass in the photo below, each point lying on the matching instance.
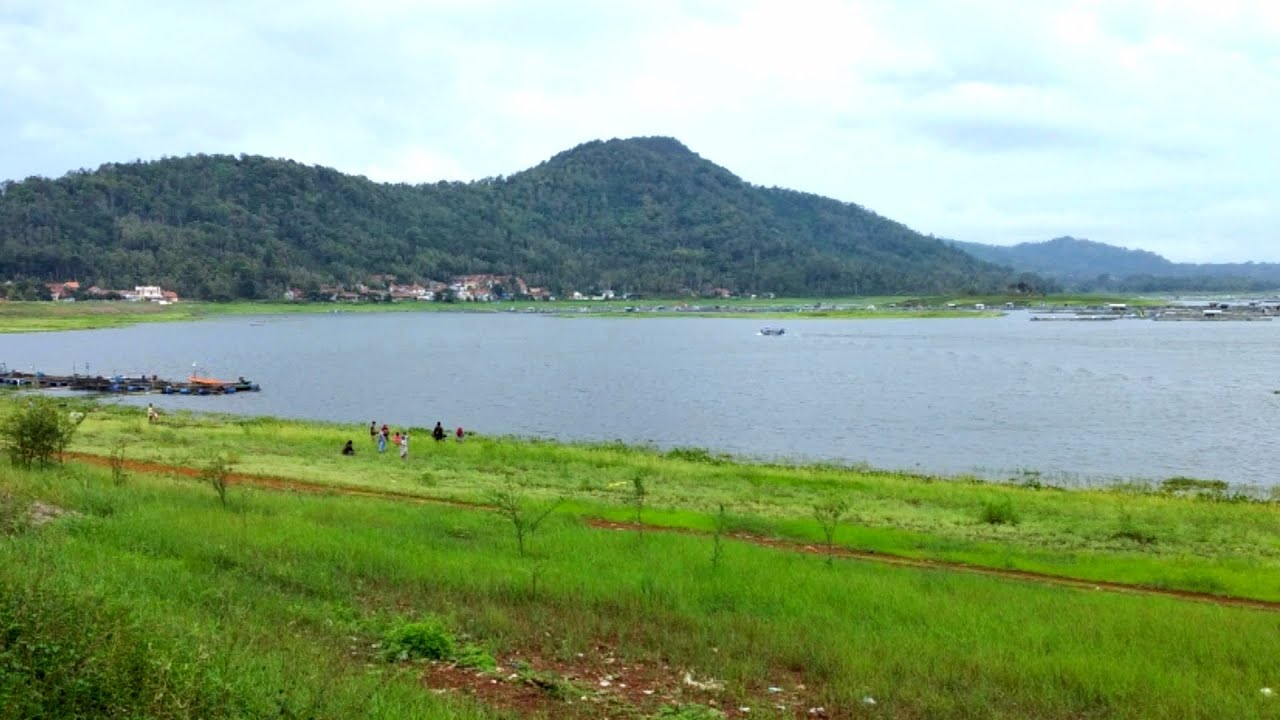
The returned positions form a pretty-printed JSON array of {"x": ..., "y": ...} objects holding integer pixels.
[
  {"x": 282, "y": 600},
  {"x": 1204, "y": 541}
]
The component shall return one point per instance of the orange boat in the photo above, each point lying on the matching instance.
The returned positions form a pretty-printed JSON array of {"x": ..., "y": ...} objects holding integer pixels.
[{"x": 194, "y": 380}]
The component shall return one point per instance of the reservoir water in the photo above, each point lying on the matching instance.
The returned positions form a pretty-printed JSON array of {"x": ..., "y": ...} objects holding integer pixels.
[{"x": 1075, "y": 401}]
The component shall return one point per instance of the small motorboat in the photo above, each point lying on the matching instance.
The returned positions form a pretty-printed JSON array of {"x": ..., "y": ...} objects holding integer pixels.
[{"x": 773, "y": 331}]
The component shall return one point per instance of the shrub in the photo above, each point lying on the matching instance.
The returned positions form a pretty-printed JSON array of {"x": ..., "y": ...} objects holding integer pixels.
[
  {"x": 1194, "y": 487},
  {"x": 37, "y": 433},
  {"x": 475, "y": 657},
  {"x": 697, "y": 455},
  {"x": 829, "y": 513},
  {"x": 217, "y": 472},
  {"x": 117, "y": 461},
  {"x": 13, "y": 514},
  {"x": 511, "y": 504},
  {"x": 64, "y": 656},
  {"x": 426, "y": 640},
  {"x": 999, "y": 512}
]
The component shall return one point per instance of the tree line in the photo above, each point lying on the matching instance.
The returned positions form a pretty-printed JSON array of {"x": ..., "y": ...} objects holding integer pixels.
[{"x": 644, "y": 215}]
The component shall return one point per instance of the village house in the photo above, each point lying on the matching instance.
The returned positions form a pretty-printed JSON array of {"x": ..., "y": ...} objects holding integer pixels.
[
  {"x": 410, "y": 292},
  {"x": 62, "y": 290},
  {"x": 144, "y": 293},
  {"x": 487, "y": 287}
]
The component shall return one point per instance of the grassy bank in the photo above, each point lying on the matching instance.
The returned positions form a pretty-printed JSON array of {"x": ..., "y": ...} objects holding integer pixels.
[
  {"x": 1134, "y": 534},
  {"x": 48, "y": 316},
  {"x": 156, "y": 600}
]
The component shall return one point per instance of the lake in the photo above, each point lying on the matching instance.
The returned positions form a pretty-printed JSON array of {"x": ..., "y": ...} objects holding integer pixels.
[{"x": 1076, "y": 401}]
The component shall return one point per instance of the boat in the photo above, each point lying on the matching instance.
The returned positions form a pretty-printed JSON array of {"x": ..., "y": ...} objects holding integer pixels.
[
  {"x": 773, "y": 331},
  {"x": 203, "y": 385}
]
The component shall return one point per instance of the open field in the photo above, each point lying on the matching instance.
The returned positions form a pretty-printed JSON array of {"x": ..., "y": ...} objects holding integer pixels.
[
  {"x": 1127, "y": 534},
  {"x": 185, "y": 600}
]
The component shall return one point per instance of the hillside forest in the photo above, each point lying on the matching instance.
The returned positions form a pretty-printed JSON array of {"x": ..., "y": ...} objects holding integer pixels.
[{"x": 638, "y": 216}]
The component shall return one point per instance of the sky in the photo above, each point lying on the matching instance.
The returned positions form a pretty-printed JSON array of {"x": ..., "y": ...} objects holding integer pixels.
[{"x": 1148, "y": 124}]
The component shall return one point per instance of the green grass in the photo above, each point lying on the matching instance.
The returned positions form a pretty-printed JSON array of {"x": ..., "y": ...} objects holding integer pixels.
[
  {"x": 16, "y": 317},
  {"x": 203, "y": 594},
  {"x": 1134, "y": 534}
]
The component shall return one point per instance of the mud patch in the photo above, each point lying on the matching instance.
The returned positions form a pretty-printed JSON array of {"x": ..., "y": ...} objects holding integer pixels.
[{"x": 602, "y": 685}]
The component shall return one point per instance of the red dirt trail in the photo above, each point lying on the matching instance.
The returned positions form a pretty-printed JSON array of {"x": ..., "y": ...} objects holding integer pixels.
[{"x": 304, "y": 486}]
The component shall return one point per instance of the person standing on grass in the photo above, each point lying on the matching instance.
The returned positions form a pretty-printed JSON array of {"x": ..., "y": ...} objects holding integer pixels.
[
  {"x": 373, "y": 432},
  {"x": 404, "y": 446},
  {"x": 459, "y": 435},
  {"x": 382, "y": 440},
  {"x": 438, "y": 432}
]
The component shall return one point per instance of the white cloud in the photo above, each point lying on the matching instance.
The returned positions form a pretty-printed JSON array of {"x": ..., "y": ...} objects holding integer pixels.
[{"x": 1142, "y": 123}]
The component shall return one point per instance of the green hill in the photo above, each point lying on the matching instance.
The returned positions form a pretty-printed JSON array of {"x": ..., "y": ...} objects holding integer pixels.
[
  {"x": 642, "y": 215},
  {"x": 1094, "y": 266}
]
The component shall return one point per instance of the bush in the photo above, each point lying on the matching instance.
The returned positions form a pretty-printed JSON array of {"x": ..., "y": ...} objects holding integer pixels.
[
  {"x": 1196, "y": 488},
  {"x": 63, "y": 656},
  {"x": 13, "y": 514},
  {"x": 696, "y": 455},
  {"x": 475, "y": 657},
  {"x": 428, "y": 640},
  {"x": 999, "y": 512},
  {"x": 38, "y": 432}
]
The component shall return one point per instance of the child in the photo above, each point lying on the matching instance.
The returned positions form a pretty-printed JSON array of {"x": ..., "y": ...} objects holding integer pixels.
[
  {"x": 458, "y": 435},
  {"x": 404, "y": 446}
]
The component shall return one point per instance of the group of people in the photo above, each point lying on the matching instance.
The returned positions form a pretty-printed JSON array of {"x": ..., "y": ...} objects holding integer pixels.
[{"x": 380, "y": 438}]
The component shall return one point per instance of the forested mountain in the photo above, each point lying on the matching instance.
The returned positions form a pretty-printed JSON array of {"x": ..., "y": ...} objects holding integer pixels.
[
  {"x": 1087, "y": 265},
  {"x": 641, "y": 215}
]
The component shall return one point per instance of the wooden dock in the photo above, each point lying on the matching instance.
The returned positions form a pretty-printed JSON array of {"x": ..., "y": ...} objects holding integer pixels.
[{"x": 123, "y": 384}]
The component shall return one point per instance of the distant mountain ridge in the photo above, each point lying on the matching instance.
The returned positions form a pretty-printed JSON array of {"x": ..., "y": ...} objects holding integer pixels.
[
  {"x": 1087, "y": 265},
  {"x": 642, "y": 215}
]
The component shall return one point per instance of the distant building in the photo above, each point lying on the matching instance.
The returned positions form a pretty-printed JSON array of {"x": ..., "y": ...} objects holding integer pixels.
[
  {"x": 62, "y": 290},
  {"x": 148, "y": 293}
]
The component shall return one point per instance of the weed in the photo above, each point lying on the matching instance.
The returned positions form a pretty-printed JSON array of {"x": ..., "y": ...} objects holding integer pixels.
[
  {"x": 717, "y": 547},
  {"x": 1130, "y": 531},
  {"x": 1029, "y": 479},
  {"x": 217, "y": 472},
  {"x": 476, "y": 657},
  {"x": 117, "y": 462},
  {"x": 1196, "y": 488},
  {"x": 426, "y": 640},
  {"x": 13, "y": 514},
  {"x": 512, "y": 504},
  {"x": 638, "y": 494},
  {"x": 554, "y": 685},
  {"x": 828, "y": 514},
  {"x": 696, "y": 455},
  {"x": 688, "y": 712},
  {"x": 999, "y": 512}
]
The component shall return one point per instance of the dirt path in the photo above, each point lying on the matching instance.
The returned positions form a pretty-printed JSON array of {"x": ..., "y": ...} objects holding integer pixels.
[{"x": 304, "y": 486}]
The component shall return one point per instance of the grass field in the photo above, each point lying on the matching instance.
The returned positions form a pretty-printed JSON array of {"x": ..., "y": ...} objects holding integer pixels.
[
  {"x": 47, "y": 316},
  {"x": 156, "y": 600}
]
